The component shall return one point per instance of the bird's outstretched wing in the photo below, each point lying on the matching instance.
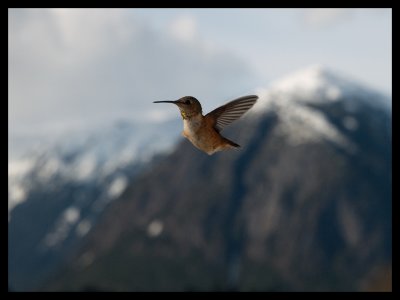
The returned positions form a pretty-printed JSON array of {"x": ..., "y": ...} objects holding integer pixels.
[{"x": 226, "y": 114}]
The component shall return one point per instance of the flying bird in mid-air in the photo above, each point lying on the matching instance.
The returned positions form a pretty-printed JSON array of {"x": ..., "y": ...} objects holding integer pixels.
[{"x": 204, "y": 131}]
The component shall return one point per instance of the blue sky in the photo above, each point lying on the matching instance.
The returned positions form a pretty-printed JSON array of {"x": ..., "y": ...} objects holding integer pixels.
[
  {"x": 277, "y": 41},
  {"x": 70, "y": 68}
]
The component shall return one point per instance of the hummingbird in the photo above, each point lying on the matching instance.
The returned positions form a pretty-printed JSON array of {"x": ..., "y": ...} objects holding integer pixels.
[{"x": 204, "y": 131}]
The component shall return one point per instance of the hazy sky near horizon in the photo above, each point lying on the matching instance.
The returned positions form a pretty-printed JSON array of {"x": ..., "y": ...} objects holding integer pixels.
[{"x": 70, "y": 68}]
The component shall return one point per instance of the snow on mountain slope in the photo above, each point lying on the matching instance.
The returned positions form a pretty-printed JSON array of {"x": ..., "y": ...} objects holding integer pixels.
[
  {"x": 83, "y": 156},
  {"x": 87, "y": 156},
  {"x": 294, "y": 99},
  {"x": 319, "y": 84}
]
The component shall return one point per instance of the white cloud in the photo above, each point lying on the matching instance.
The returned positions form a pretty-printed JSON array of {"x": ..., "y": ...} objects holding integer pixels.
[
  {"x": 78, "y": 66},
  {"x": 161, "y": 115},
  {"x": 87, "y": 33},
  {"x": 325, "y": 16},
  {"x": 184, "y": 27}
]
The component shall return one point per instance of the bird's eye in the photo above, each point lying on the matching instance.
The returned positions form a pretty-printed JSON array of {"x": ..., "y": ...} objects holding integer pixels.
[{"x": 187, "y": 102}]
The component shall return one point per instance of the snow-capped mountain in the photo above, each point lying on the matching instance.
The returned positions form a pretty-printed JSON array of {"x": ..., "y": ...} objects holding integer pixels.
[
  {"x": 295, "y": 97},
  {"x": 309, "y": 182},
  {"x": 58, "y": 189},
  {"x": 303, "y": 205},
  {"x": 89, "y": 156}
]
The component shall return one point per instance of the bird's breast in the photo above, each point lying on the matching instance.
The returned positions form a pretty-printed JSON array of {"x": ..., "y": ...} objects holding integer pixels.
[
  {"x": 192, "y": 126},
  {"x": 201, "y": 134}
]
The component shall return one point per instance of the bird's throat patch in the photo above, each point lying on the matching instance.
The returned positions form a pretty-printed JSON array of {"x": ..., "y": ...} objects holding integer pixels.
[{"x": 183, "y": 114}]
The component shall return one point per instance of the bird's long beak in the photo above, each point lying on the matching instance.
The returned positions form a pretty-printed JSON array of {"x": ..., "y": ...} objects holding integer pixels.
[{"x": 168, "y": 101}]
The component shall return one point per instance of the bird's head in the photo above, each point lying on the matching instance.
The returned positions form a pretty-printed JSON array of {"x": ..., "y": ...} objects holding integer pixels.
[{"x": 188, "y": 105}]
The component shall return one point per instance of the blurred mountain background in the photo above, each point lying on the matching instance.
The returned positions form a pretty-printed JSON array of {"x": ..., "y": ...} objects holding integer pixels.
[
  {"x": 304, "y": 204},
  {"x": 105, "y": 195}
]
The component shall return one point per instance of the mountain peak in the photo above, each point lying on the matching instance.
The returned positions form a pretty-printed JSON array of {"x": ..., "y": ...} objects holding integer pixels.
[
  {"x": 298, "y": 100},
  {"x": 311, "y": 82},
  {"x": 319, "y": 84}
]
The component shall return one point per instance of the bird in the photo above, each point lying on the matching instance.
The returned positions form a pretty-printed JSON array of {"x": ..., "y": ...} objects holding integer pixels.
[{"x": 204, "y": 131}]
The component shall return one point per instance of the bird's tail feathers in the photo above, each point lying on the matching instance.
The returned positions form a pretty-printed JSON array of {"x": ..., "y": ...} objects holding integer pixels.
[{"x": 232, "y": 144}]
